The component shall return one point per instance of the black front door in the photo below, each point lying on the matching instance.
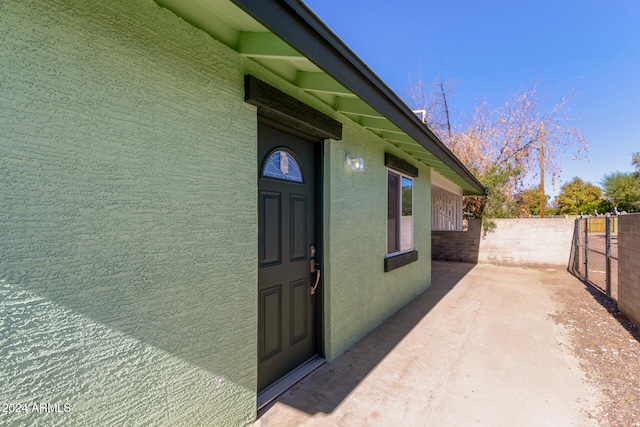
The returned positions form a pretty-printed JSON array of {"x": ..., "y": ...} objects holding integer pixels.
[{"x": 286, "y": 224}]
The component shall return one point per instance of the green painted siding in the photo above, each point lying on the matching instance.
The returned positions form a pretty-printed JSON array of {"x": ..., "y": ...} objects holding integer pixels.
[
  {"x": 359, "y": 294},
  {"x": 128, "y": 228},
  {"x": 128, "y": 220}
]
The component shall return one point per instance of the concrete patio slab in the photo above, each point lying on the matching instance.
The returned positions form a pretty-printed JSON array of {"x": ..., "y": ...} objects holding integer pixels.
[{"x": 476, "y": 349}]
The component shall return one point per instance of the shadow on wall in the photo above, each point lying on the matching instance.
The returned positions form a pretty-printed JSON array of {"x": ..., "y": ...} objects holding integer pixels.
[
  {"x": 127, "y": 284},
  {"x": 329, "y": 385},
  {"x": 611, "y": 306},
  {"x": 459, "y": 246}
]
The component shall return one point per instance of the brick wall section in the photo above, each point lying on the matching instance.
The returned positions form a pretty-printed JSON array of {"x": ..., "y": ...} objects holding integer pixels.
[
  {"x": 460, "y": 246},
  {"x": 629, "y": 267},
  {"x": 532, "y": 242}
]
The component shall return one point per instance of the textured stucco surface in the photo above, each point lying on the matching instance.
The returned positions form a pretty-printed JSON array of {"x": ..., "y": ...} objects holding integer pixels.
[
  {"x": 358, "y": 293},
  {"x": 128, "y": 226}
]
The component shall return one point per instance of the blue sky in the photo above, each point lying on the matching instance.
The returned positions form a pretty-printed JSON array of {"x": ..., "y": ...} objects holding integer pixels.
[{"x": 494, "y": 48}]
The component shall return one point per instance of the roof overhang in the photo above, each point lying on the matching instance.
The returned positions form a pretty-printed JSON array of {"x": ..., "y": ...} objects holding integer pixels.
[
  {"x": 438, "y": 182},
  {"x": 287, "y": 38}
]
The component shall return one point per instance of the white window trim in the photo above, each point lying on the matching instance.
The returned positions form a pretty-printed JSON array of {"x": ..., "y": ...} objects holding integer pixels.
[{"x": 401, "y": 175}]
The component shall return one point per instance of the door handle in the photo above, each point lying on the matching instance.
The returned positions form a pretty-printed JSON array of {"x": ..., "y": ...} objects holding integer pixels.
[
  {"x": 313, "y": 268},
  {"x": 317, "y": 271}
]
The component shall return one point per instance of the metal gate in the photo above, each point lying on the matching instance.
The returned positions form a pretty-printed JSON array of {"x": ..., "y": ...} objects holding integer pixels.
[{"x": 594, "y": 253}]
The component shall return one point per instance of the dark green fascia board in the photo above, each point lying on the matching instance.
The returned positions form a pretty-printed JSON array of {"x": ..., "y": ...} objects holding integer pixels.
[
  {"x": 285, "y": 109},
  {"x": 293, "y": 22},
  {"x": 400, "y": 165},
  {"x": 393, "y": 262}
]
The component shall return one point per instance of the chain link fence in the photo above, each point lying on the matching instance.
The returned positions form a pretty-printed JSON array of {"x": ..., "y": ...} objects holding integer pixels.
[{"x": 594, "y": 253}]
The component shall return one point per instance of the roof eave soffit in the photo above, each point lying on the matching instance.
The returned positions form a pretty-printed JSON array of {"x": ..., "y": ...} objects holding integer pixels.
[{"x": 231, "y": 26}]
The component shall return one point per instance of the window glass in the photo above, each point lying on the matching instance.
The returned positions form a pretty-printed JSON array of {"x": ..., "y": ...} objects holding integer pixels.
[
  {"x": 406, "y": 238},
  {"x": 399, "y": 213},
  {"x": 282, "y": 165},
  {"x": 393, "y": 243}
]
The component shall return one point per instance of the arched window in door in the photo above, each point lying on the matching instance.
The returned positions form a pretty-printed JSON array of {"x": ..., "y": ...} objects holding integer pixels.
[{"x": 280, "y": 164}]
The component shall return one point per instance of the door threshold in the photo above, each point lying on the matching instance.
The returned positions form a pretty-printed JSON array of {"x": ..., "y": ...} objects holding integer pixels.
[{"x": 285, "y": 383}]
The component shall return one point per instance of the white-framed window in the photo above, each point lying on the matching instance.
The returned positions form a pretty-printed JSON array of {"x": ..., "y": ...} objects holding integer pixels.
[{"x": 399, "y": 212}]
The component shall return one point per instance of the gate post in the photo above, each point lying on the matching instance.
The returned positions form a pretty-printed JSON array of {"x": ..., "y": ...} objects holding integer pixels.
[
  {"x": 586, "y": 249},
  {"x": 607, "y": 239},
  {"x": 575, "y": 268}
]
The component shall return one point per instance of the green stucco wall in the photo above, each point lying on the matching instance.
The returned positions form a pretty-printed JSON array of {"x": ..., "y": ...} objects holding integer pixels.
[
  {"x": 128, "y": 226},
  {"x": 359, "y": 294}
]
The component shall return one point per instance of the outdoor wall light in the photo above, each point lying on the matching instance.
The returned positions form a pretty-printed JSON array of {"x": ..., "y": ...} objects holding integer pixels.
[{"x": 356, "y": 163}]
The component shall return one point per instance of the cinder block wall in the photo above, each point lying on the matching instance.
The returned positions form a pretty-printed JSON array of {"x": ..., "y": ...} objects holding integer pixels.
[
  {"x": 629, "y": 267},
  {"x": 532, "y": 242}
]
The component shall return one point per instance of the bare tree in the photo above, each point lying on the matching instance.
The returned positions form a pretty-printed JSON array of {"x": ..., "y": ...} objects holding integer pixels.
[
  {"x": 512, "y": 136},
  {"x": 509, "y": 139},
  {"x": 433, "y": 99}
]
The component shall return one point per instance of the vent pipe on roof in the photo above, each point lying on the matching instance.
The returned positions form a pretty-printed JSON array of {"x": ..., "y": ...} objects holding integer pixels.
[{"x": 423, "y": 114}]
